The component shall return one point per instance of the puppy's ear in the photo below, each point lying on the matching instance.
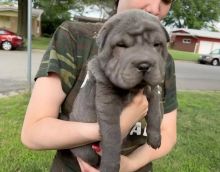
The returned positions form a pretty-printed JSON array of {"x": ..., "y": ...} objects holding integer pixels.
[
  {"x": 166, "y": 40},
  {"x": 166, "y": 33},
  {"x": 101, "y": 38},
  {"x": 105, "y": 31},
  {"x": 165, "y": 52},
  {"x": 103, "y": 34}
]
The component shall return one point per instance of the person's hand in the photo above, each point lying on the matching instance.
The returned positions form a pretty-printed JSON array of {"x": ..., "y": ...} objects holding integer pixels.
[
  {"x": 85, "y": 167},
  {"x": 125, "y": 162},
  {"x": 133, "y": 112}
]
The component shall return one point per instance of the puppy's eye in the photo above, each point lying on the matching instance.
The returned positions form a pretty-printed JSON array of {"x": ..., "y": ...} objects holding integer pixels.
[
  {"x": 122, "y": 45},
  {"x": 157, "y": 44}
]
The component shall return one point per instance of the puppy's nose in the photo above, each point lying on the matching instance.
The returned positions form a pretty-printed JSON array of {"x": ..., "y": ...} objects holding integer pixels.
[{"x": 144, "y": 67}]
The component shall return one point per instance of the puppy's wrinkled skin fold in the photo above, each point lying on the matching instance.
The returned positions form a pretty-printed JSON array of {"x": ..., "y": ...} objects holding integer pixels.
[{"x": 132, "y": 54}]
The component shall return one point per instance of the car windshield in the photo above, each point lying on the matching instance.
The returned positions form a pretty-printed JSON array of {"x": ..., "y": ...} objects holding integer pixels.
[
  {"x": 217, "y": 51},
  {"x": 2, "y": 32}
]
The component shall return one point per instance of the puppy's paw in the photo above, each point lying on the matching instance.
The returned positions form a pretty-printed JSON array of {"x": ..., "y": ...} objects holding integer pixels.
[
  {"x": 109, "y": 167},
  {"x": 154, "y": 139}
]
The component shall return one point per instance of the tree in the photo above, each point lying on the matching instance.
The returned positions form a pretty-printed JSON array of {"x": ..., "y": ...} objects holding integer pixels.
[
  {"x": 22, "y": 17},
  {"x": 55, "y": 12},
  {"x": 194, "y": 14}
]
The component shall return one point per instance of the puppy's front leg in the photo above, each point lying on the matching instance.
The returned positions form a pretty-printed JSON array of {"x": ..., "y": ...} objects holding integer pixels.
[
  {"x": 108, "y": 109},
  {"x": 154, "y": 117}
]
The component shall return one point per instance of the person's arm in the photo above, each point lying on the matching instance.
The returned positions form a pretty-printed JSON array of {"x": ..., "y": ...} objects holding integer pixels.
[
  {"x": 42, "y": 130},
  {"x": 145, "y": 154}
]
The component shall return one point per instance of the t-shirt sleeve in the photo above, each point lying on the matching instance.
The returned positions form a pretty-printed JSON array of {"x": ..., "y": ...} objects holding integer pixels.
[
  {"x": 60, "y": 57},
  {"x": 170, "y": 93}
]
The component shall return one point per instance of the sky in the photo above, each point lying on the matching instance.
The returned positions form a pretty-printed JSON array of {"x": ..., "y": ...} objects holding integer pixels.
[{"x": 92, "y": 11}]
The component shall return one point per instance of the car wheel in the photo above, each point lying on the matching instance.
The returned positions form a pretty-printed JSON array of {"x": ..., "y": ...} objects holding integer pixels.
[
  {"x": 215, "y": 62},
  {"x": 6, "y": 45}
]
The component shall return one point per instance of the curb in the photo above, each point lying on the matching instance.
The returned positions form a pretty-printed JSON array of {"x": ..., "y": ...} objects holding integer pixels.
[
  {"x": 38, "y": 50},
  {"x": 11, "y": 93}
]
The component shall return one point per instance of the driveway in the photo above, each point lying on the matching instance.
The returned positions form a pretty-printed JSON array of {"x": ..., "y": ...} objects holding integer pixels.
[{"x": 13, "y": 72}]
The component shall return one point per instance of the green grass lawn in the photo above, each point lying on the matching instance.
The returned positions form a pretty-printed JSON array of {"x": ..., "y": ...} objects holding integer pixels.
[
  {"x": 197, "y": 149},
  {"x": 182, "y": 55},
  {"x": 14, "y": 157},
  {"x": 40, "y": 43}
]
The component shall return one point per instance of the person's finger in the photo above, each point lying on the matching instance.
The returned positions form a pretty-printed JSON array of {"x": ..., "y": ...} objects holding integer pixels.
[
  {"x": 141, "y": 91},
  {"x": 85, "y": 166}
]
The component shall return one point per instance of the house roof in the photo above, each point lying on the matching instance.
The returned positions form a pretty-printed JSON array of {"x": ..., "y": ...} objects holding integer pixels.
[
  {"x": 35, "y": 12},
  {"x": 196, "y": 33}
]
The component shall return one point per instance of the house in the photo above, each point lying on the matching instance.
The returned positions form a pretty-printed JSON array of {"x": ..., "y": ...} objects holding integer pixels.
[
  {"x": 9, "y": 18},
  {"x": 197, "y": 41}
]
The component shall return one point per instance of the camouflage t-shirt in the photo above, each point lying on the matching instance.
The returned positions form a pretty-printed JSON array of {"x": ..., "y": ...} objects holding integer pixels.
[{"x": 72, "y": 45}]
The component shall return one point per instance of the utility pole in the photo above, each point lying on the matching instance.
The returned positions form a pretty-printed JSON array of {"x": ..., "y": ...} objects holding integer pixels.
[{"x": 29, "y": 44}]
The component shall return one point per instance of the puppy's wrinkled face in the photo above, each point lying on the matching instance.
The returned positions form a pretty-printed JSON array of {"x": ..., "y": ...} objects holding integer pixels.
[{"x": 134, "y": 49}]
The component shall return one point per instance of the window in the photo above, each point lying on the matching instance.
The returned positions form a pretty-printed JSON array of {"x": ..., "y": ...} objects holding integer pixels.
[
  {"x": 186, "y": 41},
  {"x": 217, "y": 51}
]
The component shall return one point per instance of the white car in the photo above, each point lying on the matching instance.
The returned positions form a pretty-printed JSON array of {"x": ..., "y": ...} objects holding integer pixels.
[{"x": 212, "y": 58}]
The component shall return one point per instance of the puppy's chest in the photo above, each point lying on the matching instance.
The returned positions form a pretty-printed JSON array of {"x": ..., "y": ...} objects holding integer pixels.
[
  {"x": 84, "y": 104},
  {"x": 84, "y": 107}
]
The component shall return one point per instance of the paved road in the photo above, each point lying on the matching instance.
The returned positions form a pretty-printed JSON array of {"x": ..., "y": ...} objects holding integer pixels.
[
  {"x": 13, "y": 72},
  {"x": 13, "y": 69},
  {"x": 193, "y": 76}
]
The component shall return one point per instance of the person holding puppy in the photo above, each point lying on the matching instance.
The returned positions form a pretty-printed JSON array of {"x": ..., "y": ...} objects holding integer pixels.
[{"x": 71, "y": 46}]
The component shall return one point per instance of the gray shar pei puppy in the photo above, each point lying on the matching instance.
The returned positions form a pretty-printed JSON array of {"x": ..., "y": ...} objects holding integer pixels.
[{"x": 131, "y": 56}]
